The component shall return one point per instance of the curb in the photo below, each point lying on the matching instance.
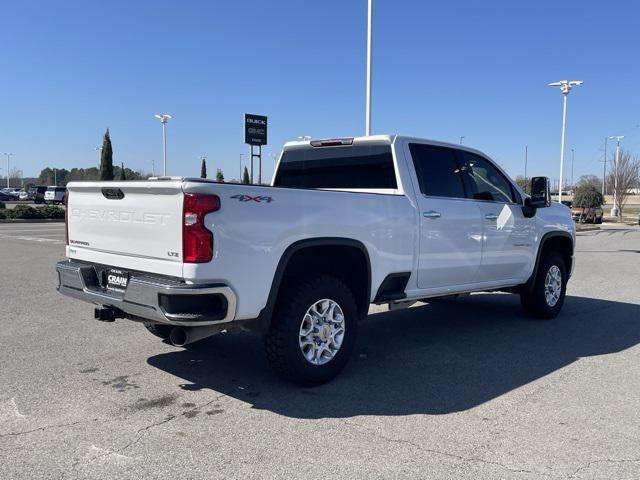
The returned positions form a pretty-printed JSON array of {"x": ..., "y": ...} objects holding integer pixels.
[
  {"x": 587, "y": 229},
  {"x": 32, "y": 220}
]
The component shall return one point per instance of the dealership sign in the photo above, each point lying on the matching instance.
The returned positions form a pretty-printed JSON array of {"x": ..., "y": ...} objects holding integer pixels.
[{"x": 255, "y": 129}]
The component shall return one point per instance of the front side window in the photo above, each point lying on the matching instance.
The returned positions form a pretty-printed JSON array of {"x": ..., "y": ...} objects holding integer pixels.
[
  {"x": 485, "y": 181},
  {"x": 438, "y": 171}
]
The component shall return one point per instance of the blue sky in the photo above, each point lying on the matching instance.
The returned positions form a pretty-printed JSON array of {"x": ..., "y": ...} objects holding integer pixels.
[{"x": 69, "y": 69}]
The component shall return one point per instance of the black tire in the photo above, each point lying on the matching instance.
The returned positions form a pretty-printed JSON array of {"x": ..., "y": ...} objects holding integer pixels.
[
  {"x": 160, "y": 331},
  {"x": 282, "y": 344},
  {"x": 534, "y": 302}
]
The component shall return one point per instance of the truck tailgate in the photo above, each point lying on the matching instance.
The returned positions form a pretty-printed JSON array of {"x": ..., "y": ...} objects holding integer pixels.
[{"x": 134, "y": 225}]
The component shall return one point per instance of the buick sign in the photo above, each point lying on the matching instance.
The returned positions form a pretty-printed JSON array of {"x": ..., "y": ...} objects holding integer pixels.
[{"x": 255, "y": 129}]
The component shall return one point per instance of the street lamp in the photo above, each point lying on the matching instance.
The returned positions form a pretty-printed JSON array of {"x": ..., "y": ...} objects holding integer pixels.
[
  {"x": 164, "y": 118},
  {"x": 461, "y": 138},
  {"x": 8, "y": 157},
  {"x": 565, "y": 88},
  {"x": 614, "y": 209}
]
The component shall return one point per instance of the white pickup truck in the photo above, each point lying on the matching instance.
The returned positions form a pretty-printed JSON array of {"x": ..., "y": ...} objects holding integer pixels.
[{"x": 345, "y": 223}]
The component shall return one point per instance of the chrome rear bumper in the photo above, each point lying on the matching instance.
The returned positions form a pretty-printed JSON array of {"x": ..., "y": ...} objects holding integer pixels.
[{"x": 158, "y": 299}]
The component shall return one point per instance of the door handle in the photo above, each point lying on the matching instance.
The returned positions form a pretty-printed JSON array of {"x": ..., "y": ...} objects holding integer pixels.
[
  {"x": 491, "y": 216},
  {"x": 431, "y": 214}
]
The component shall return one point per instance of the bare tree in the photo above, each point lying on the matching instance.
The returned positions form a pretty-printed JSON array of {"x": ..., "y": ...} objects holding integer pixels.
[{"x": 623, "y": 177}]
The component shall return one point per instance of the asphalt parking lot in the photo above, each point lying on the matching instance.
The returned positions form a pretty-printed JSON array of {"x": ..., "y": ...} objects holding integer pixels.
[{"x": 460, "y": 389}]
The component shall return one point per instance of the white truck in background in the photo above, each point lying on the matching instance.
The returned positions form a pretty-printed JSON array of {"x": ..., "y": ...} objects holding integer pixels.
[{"x": 346, "y": 222}]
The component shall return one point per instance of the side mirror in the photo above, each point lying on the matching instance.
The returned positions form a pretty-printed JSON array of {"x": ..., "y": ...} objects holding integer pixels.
[
  {"x": 540, "y": 193},
  {"x": 540, "y": 196}
]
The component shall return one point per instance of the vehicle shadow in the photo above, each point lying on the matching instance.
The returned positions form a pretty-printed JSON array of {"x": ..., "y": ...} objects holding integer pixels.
[{"x": 434, "y": 359}]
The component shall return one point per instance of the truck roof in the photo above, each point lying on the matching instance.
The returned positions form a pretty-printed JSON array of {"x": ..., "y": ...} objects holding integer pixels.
[{"x": 373, "y": 139}]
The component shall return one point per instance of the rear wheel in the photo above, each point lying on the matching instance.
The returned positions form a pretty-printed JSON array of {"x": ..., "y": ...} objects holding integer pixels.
[
  {"x": 546, "y": 298},
  {"x": 160, "y": 331},
  {"x": 313, "y": 330}
]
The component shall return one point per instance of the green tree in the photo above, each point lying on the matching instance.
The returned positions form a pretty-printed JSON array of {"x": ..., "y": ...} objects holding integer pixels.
[
  {"x": 587, "y": 196},
  {"x": 106, "y": 158},
  {"x": 123, "y": 174},
  {"x": 203, "y": 168},
  {"x": 219, "y": 175},
  {"x": 245, "y": 176}
]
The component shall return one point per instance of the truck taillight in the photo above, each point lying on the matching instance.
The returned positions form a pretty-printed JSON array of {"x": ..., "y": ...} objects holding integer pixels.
[
  {"x": 197, "y": 240},
  {"x": 65, "y": 202}
]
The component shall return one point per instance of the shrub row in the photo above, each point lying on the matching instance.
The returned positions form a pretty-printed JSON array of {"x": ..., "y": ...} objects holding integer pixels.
[{"x": 27, "y": 212}]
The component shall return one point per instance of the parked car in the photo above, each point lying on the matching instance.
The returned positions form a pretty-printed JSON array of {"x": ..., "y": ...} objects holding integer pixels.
[
  {"x": 346, "y": 222},
  {"x": 5, "y": 196},
  {"x": 587, "y": 215},
  {"x": 22, "y": 195},
  {"x": 54, "y": 195}
]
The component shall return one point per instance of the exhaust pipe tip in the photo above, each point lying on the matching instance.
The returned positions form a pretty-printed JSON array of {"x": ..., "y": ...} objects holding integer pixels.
[{"x": 178, "y": 337}]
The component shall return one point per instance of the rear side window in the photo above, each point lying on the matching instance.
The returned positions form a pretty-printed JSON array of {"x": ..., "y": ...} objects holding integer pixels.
[
  {"x": 437, "y": 170},
  {"x": 337, "y": 167},
  {"x": 485, "y": 181}
]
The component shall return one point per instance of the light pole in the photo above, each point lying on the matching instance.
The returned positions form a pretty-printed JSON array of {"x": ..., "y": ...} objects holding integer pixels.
[
  {"x": 565, "y": 88},
  {"x": 461, "y": 138},
  {"x": 240, "y": 177},
  {"x": 99, "y": 150},
  {"x": 8, "y": 155},
  {"x": 369, "y": 48},
  {"x": 526, "y": 158},
  {"x": 153, "y": 168},
  {"x": 614, "y": 209},
  {"x": 164, "y": 118},
  {"x": 55, "y": 176}
]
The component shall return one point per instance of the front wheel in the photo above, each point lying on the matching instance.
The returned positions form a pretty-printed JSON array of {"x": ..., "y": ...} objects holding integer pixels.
[
  {"x": 546, "y": 297},
  {"x": 313, "y": 330}
]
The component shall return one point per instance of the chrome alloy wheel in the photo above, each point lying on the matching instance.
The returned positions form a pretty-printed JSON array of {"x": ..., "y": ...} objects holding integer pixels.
[
  {"x": 322, "y": 331},
  {"x": 553, "y": 286}
]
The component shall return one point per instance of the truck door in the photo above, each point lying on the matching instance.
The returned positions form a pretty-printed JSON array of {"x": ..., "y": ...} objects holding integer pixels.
[
  {"x": 450, "y": 244},
  {"x": 508, "y": 236}
]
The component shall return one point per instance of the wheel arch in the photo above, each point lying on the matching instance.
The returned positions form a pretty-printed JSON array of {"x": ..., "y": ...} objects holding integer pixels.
[
  {"x": 312, "y": 250},
  {"x": 561, "y": 242}
]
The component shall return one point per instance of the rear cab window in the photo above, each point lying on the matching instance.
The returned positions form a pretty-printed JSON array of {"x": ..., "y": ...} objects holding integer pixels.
[
  {"x": 438, "y": 171},
  {"x": 368, "y": 167}
]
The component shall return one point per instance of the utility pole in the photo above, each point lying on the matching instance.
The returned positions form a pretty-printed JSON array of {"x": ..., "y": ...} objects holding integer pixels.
[
  {"x": 572, "y": 158},
  {"x": 369, "y": 48}
]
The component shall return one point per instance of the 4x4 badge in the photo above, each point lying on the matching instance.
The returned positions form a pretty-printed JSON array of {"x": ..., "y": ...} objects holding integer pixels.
[{"x": 249, "y": 198}]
